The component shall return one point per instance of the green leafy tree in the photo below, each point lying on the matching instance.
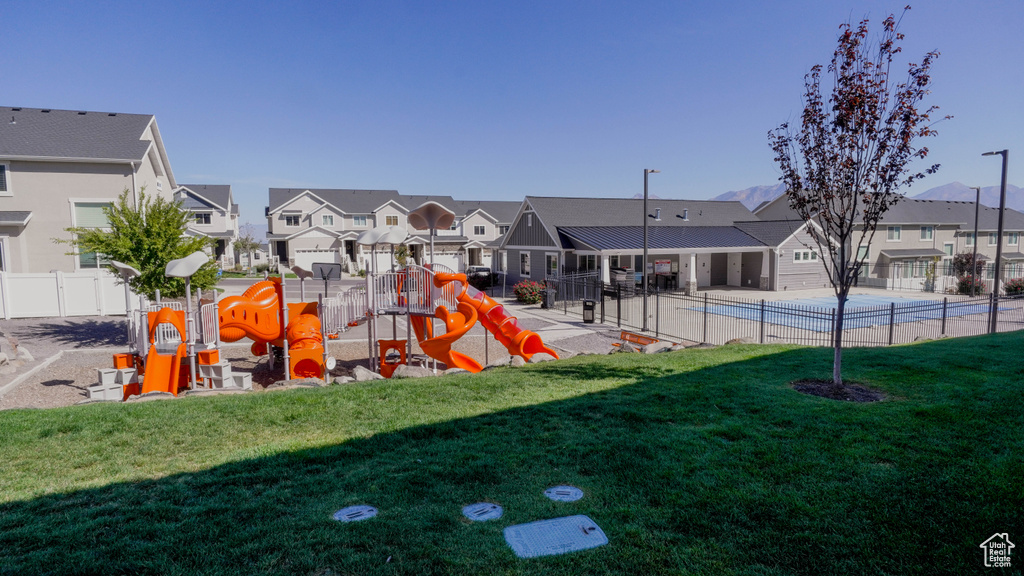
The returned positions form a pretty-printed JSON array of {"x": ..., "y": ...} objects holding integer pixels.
[
  {"x": 147, "y": 238},
  {"x": 246, "y": 243}
]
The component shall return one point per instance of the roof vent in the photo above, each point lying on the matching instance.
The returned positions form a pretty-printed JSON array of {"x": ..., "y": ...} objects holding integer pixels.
[
  {"x": 45, "y": 111},
  {"x": 13, "y": 121},
  {"x": 81, "y": 113},
  {"x": 685, "y": 215},
  {"x": 15, "y": 109},
  {"x": 112, "y": 114}
]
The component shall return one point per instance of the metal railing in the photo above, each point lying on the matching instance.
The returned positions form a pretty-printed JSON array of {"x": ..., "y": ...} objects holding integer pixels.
[{"x": 718, "y": 319}]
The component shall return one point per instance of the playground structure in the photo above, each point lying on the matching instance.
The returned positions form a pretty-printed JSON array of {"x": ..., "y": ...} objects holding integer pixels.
[
  {"x": 423, "y": 294},
  {"x": 182, "y": 344}
]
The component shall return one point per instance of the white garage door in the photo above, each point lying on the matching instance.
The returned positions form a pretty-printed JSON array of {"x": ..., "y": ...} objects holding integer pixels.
[{"x": 306, "y": 258}]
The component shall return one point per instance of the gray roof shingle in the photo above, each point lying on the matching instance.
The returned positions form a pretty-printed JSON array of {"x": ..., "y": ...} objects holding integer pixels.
[
  {"x": 48, "y": 133},
  {"x": 219, "y": 194},
  {"x": 771, "y": 232},
  {"x": 14, "y": 218},
  {"x": 658, "y": 238},
  {"x": 503, "y": 212},
  {"x": 560, "y": 211},
  {"x": 348, "y": 200}
]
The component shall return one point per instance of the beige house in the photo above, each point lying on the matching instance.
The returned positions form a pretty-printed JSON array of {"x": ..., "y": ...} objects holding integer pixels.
[
  {"x": 214, "y": 215},
  {"x": 59, "y": 168},
  {"x": 307, "y": 226}
]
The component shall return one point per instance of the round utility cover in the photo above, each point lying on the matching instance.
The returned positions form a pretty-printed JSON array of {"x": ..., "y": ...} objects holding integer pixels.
[
  {"x": 564, "y": 493},
  {"x": 355, "y": 513},
  {"x": 482, "y": 511},
  {"x": 331, "y": 363}
]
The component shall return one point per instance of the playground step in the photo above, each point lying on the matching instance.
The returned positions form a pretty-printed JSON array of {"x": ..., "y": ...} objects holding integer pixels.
[
  {"x": 221, "y": 370},
  {"x": 243, "y": 381}
]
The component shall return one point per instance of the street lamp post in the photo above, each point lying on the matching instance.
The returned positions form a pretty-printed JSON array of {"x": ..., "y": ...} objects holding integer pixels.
[
  {"x": 974, "y": 259},
  {"x": 644, "y": 264},
  {"x": 999, "y": 237}
]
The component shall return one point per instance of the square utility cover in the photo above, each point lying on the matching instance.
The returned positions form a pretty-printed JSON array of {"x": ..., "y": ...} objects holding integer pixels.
[{"x": 555, "y": 536}]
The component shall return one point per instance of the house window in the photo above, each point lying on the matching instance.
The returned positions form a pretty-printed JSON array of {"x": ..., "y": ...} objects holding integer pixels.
[
  {"x": 327, "y": 219},
  {"x": 551, "y": 264},
  {"x": 529, "y": 219},
  {"x": 862, "y": 252},
  {"x": 202, "y": 219},
  {"x": 503, "y": 229},
  {"x": 91, "y": 215},
  {"x": 391, "y": 220},
  {"x": 455, "y": 224},
  {"x": 256, "y": 256},
  {"x": 920, "y": 268},
  {"x": 992, "y": 237},
  {"x": 291, "y": 220},
  {"x": 5, "y": 189},
  {"x": 524, "y": 263},
  {"x": 479, "y": 231},
  {"x": 970, "y": 239},
  {"x": 892, "y": 233},
  {"x": 908, "y": 268},
  {"x": 359, "y": 220},
  {"x": 990, "y": 270},
  {"x": 805, "y": 256},
  {"x": 586, "y": 262},
  {"x": 947, "y": 249},
  {"x": 927, "y": 232},
  {"x": 1012, "y": 238}
]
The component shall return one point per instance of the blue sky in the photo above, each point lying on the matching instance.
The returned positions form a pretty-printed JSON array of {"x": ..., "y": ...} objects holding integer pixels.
[{"x": 490, "y": 100}]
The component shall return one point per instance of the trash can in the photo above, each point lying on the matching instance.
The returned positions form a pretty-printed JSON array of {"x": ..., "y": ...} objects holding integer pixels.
[
  {"x": 547, "y": 297},
  {"x": 588, "y": 311}
]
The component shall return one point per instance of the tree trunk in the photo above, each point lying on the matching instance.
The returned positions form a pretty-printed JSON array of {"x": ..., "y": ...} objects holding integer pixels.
[{"x": 837, "y": 362}]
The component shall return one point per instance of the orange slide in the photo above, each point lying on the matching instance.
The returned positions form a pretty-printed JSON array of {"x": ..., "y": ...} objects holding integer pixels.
[
  {"x": 473, "y": 304},
  {"x": 164, "y": 370},
  {"x": 257, "y": 314}
]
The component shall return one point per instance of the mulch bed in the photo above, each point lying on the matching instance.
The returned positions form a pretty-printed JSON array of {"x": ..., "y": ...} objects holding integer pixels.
[{"x": 848, "y": 392}]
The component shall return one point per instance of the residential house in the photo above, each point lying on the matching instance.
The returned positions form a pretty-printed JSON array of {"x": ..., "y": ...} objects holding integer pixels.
[
  {"x": 59, "y": 168},
  {"x": 322, "y": 225},
  {"x": 214, "y": 215},
  {"x": 692, "y": 244},
  {"x": 915, "y": 234}
]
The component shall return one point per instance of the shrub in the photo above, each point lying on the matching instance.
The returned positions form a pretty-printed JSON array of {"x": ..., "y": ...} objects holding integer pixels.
[
  {"x": 527, "y": 291},
  {"x": 963, "y": 285},
  {"x": 1014, "y": 287}
]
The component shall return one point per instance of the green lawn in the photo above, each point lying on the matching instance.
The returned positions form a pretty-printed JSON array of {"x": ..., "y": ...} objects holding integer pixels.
[{"x": 696, "y": 462}]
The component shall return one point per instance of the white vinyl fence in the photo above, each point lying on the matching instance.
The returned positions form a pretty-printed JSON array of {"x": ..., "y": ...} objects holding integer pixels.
[{"x": 60, "y": 294}]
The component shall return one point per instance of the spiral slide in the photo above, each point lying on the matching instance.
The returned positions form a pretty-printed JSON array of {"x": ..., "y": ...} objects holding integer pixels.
[{"x": 473, "y": 305}]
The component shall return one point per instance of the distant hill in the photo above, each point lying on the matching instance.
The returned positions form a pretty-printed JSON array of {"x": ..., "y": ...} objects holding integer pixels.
[{"x": 752, "y": 197}]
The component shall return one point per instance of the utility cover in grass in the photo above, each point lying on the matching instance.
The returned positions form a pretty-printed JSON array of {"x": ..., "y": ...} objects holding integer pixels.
[
  {"x": 482, "y": 511},
  {"x": 564, "y": 493},
  {"x": 555, "y": 536},
  {"x": 355, "y": 513}
]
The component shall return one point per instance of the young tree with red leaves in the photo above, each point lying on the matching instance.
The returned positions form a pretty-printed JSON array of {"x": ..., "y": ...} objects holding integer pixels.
[{"x": 844, "y": 166}]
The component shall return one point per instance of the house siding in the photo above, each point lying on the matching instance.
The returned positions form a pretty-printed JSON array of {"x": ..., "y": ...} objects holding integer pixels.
[
  {"x": 800, "y": 275},
  {"x": 535, "y": 235}
]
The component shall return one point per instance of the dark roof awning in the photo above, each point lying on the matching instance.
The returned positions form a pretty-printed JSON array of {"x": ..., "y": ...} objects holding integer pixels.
[
  {"x": 17, "y": 218},
  {"x": 1013, "y": 256},
  {"x": 658, "y": 238},
  {"x": 912, "y": 253}
]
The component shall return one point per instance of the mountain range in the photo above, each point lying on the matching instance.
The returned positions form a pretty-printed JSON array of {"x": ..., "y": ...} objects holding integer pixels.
[{"x": 755, "y": 195}]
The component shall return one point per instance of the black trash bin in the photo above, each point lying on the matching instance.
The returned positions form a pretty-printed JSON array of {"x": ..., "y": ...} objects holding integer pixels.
[
  {"x": 547, "y": 297},
  {"x": 588, "y": 311}
]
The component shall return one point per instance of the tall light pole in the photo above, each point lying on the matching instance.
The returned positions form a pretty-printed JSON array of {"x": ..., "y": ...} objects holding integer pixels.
[
  {"x": 974, "y": 259},
  {"x": 644, "y": 264},
  {"x": 999, "y": 238}
]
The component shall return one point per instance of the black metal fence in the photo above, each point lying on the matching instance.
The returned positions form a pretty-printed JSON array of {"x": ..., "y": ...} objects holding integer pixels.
[{"x": 717, "y": 319}]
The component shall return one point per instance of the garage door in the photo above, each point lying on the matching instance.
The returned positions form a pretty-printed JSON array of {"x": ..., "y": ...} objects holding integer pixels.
[{"x": 305, "y": 258}]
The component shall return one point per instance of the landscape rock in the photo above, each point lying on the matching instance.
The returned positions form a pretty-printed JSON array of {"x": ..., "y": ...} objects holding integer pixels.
[
  {"x": 297, "y": 383},
  {"x": 406, "y": 371},
  {"x": 565, "y": 354},
  {"x": 363, "y": 375},
  {"x": 498, "y": 363},
  {"x": 517, "y": 362},
  {"x": 214, "y": 391},
  {"x": 456, "y": 371},
  {"x": 704, "y": 345},
  {"x": 150, "y": 396},
  {"x": 24, "y": 355},
  {"x": 677, "y": 348},
  {"x": 626, "y": 348},
  {"x": 655, "y": 347},
  {"x": 540, "y": 357},
  {"x": 4, "y": 361},
  {"x": 744, "y": 340},
  {"x": 343, "y": 379},
  {"x": 922, "y": 339}
]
